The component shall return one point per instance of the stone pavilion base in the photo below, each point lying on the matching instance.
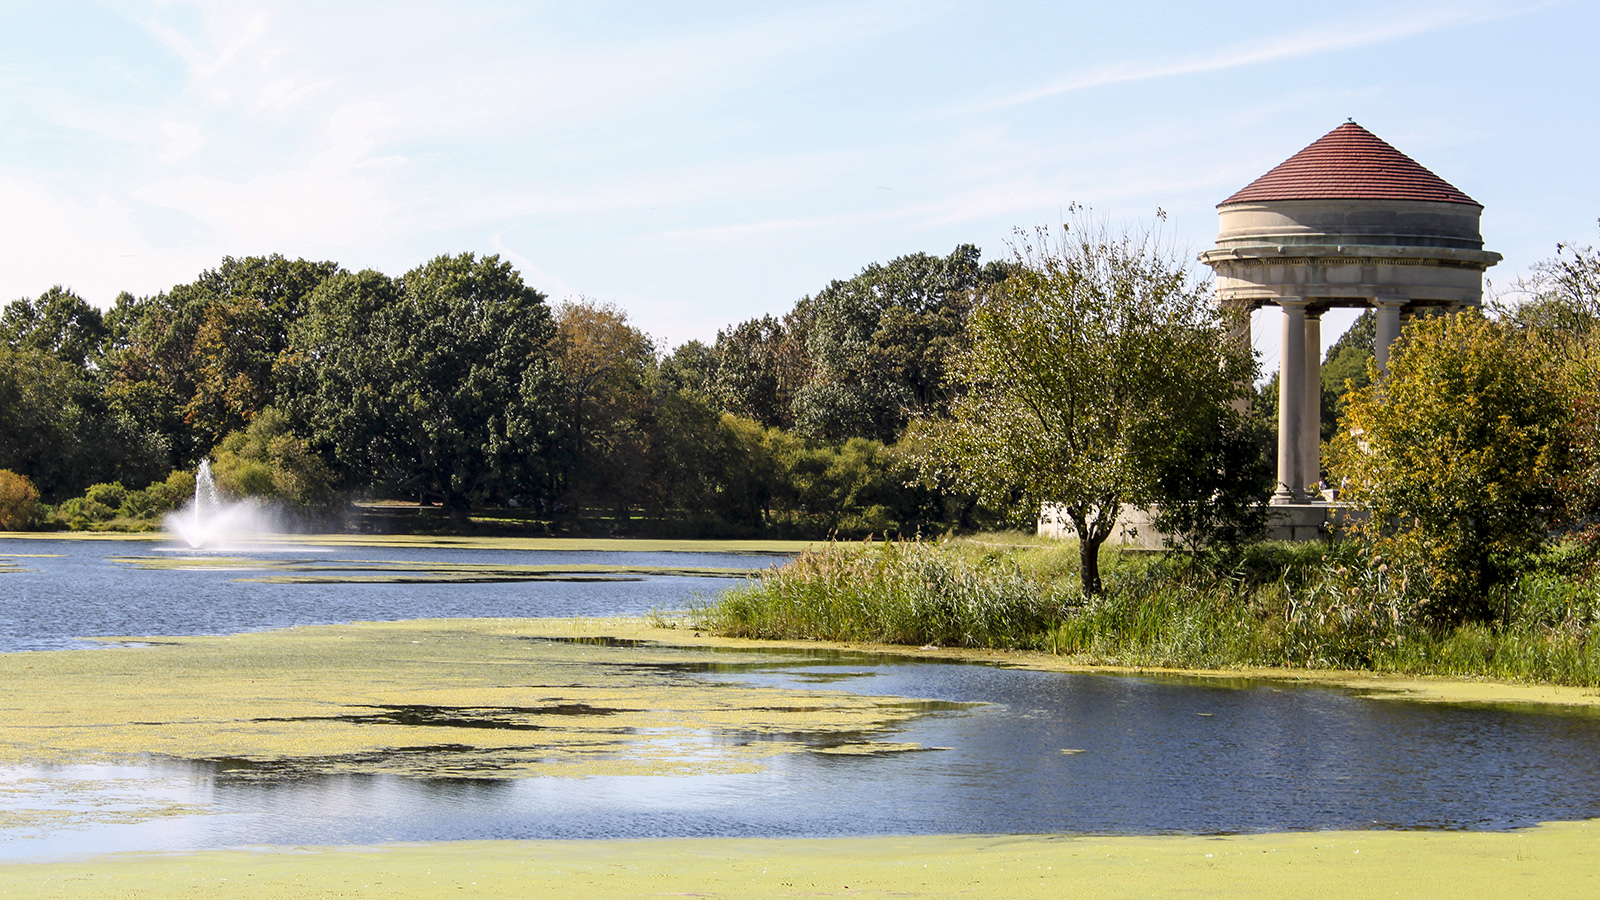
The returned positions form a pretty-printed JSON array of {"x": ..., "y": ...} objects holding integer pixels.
[{"x": 1301, "y": 522}]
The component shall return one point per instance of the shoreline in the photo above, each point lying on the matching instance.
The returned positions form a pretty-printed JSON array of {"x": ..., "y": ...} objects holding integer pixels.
[
  {"x": 1375, "y": 685},
  {"x": 486, "y": 542}
]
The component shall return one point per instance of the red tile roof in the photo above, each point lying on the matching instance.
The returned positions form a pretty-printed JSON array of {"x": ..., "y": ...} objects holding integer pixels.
[{"x": 1349, "y": 163}]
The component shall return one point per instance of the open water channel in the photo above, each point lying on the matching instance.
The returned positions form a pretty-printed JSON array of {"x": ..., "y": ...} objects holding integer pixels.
[{"x": 1018, "y": 751}]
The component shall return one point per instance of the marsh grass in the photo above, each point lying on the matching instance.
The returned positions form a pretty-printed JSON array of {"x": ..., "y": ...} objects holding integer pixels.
[
  {"x": 894, "y": 593},
  {"x": 1312, "y": 606}
]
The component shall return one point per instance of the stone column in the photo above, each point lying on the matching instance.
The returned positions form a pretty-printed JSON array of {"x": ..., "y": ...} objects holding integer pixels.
[
  {"x": 1311, "y": 424},
  {"x": 1291, "y": 403},
  {"x": 1387, "y": 310}
]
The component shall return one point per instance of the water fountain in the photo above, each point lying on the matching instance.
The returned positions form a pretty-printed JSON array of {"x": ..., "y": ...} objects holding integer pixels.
[{"x": 211, "y": 522}]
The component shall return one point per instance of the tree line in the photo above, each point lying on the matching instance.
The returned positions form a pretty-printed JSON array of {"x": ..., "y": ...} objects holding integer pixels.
[{"x": 458, "y": 385}]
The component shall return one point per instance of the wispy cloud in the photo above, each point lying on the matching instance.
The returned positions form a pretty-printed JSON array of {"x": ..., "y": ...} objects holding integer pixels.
[{"x": 1309, "y": 42}]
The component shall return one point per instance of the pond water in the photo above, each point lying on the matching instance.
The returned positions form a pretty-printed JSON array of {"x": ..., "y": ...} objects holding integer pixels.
[
  {"x": 72, "y": 589},
  {"x": 1018, "y": 751}
]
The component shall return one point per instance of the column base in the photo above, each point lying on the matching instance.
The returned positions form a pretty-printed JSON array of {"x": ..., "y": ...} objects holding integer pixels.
[{"x": 1285, "y": 497}]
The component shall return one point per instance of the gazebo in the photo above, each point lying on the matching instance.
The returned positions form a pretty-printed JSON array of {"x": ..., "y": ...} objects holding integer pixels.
[{"x": 1347, "y": 222}]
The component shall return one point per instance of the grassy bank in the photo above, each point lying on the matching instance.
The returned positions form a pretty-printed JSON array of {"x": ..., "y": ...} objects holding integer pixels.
[{"x": 1277, "y": 605}]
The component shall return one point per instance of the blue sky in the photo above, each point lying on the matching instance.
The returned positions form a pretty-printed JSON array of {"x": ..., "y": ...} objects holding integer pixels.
[{"x": 701, "y": 163}]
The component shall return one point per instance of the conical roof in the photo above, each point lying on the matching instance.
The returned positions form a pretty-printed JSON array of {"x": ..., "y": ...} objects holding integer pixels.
[{"x": 1349, "y": 163}]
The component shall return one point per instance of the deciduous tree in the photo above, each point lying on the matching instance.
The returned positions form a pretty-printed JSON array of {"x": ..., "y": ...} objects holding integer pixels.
[
  {"x": 1085, "y": 373},
  {"x": 445, "y": 379},
  {"x": 879, "y": 343},
  {"x": 606, "y": 368},
  {"x": 59, "y": 323},
  {"x": 19, "y": 502},
  {"x": 197, "y": 360}
]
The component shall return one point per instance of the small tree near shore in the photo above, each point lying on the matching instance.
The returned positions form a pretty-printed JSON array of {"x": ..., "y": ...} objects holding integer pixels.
[
  {"x": 1458, "y": 452},
  {"x": 19, "y": 502},
  {"x": 1085, "y": 371}
]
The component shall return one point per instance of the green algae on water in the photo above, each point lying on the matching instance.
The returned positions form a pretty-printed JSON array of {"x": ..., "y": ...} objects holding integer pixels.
[
  {"x": 1554, "y": 860},
  {"x": 496, "y": 698}
]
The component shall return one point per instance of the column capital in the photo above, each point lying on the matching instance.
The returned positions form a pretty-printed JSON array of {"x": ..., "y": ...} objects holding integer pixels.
[
  {"x": 1389, "y": 302},
  {"x": 1299, "y": 303}
]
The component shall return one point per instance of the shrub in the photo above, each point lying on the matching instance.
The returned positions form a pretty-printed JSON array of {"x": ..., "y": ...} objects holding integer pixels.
[
  {"x": 159, "y": 498},
  {"x": 19, "y": 502},
  {"x": 108, "y": 495},
  {"x": 80, "y": 512},
  {"x": 268, "y": 460},
  {"x": 1457, "y": 452}
]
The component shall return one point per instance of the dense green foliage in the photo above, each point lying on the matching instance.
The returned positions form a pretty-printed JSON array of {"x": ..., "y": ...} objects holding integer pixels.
[
  {"x": 198, "y": 361},
  {"x": 860, "y": 358},
  {"x": 1457, "y": 455},
  {"x": 442, "y": 380},
  {"x": 110, "y": 506},
  {"x": 880, "y": 344},
  {"x": 59, "y": 323},
  {"x": 456, "y": 385},
  {"x": 58, "y": 429},
  {"x": 266, "y": 459}
]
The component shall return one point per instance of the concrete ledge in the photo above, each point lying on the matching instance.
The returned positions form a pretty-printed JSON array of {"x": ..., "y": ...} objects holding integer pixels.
[{"x": 1135, "y": 528}]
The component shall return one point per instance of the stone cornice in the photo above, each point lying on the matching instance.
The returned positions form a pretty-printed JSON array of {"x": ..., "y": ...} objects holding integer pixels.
[{"x": 1348, "y": 254}]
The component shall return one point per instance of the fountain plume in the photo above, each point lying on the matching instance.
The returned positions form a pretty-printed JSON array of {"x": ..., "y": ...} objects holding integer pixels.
[{"x": 211, "y": 522}]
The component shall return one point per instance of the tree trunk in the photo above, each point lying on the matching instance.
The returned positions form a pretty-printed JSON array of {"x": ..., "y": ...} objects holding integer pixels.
[
  {"x": 1088, "y": 555},
  {"x": 1089, "y": 562},
  {"x": 459, "y": 508},
  {"x": 967, "y": 509}
]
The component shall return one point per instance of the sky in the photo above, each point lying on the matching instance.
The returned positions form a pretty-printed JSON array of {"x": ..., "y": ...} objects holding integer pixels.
[{"x": 700, "y": 163}]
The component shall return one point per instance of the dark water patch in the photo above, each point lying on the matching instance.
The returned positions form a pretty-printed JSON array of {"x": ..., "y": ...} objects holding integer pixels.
[
  {"x": 310, "y": 769},
  {"x": 502, "y": 718},
  {"x": 831, "y": 677},
  {"x": 597, "y": 641}
]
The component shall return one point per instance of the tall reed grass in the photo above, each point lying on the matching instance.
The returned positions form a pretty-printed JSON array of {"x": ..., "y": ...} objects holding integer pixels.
[
  {"x": 892, "y": 593},
  {"x": 1277, "y": 605}
]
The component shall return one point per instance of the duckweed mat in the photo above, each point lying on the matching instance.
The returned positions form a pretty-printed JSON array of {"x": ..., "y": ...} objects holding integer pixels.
[
  {"x": 1556, "y": 860},
  {"x": 499, "y": 698}
]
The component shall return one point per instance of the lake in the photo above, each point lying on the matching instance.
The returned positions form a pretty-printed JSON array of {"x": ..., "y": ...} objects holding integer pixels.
[{"x": 1001, "y": 750}]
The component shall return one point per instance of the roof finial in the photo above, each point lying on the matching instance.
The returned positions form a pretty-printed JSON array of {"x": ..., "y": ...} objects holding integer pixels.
[{"x": 1350, "y": 119}]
